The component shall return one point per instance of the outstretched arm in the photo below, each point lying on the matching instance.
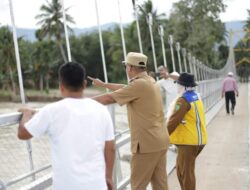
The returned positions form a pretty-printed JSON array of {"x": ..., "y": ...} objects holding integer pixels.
[
  {"x": 104, "y": 99},
  {"x": 166, "y": 75},
  {"x": 174, "y": 76},
  {"x": 110, "y": 86}
]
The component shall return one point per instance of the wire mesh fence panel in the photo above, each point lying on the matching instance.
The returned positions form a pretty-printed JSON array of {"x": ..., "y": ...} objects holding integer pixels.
[
  {"x": 14, "y": 159},
  {"x": 41, "y": 151},
  {"x": 210, "y": 92},
  {"x": 14, "y": 156}
]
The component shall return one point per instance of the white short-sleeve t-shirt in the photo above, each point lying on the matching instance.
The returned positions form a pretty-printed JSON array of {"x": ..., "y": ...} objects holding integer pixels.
[
  {"x": 77, "y": 129},
  {"x": 171, "y": 90}
]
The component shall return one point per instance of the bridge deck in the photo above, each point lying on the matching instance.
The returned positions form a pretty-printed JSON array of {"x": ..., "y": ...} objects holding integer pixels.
[{"x": 224, "y": 162}]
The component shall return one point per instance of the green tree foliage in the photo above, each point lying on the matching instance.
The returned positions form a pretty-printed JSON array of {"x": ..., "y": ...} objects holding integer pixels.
[
  {"x": 86, "y": 50},
  {"x": 196, "y": 24},
  {"x": 51, "y": 22},
  {"x": 242, "y": 57},
  {"x": 8, "y": 63},
  {"x": 115, "y": 53},
  {"x": 247, "y": 29},
  {"x": 45, "y": 63}
]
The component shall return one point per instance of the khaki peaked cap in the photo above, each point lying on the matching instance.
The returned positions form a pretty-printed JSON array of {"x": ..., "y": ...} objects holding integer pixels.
[{"x": 136, "y": 59}]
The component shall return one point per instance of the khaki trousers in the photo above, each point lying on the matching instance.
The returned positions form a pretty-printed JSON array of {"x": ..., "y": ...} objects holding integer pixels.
[
  {"x": 185, "y": 165},
  {"x": 149, "y": 167}
]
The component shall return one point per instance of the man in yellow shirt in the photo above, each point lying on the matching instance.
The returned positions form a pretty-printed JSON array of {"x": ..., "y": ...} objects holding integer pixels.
[
  {"x": 149, "y": 136},
  {"x": 187, "y": 130}
]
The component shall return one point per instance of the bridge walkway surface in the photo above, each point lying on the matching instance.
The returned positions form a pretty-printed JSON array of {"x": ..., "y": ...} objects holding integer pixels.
[{"x": 224, "y": 162}]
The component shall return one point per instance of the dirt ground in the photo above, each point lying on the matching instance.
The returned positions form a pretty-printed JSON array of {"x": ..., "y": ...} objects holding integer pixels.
[{"x": 224, "y": 162}]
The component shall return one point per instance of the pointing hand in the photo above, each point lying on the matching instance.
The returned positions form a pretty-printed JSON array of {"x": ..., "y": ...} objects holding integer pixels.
[{"x": 96, "y": 81}]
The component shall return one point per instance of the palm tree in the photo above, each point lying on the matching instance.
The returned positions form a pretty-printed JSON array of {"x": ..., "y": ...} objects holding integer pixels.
[
  {"x": 51, "y": 21},
  {"x": 45, "y": 56},
  {"x": 146, "y": 8}
]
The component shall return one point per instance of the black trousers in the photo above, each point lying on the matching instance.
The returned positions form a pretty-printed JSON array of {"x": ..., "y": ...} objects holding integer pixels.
[{"x": 230, "y": 96}]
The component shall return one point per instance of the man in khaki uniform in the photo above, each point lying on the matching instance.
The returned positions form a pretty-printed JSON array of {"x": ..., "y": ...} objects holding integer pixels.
[{"x": 149, "y": 136}]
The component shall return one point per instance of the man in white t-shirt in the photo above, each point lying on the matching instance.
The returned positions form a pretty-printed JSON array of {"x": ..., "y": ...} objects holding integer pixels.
[
  {"x": 167, "y": 85},
  {"x": 80, "y": 132}
]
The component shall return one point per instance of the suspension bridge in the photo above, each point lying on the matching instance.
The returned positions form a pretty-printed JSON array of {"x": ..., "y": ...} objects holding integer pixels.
[{"x": 224, "y": 164}]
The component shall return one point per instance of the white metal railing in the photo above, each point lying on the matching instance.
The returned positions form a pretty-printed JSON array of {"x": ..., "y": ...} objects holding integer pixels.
[
  {"x": 210, "y": 91},
  {"x": 209, "y": 88},
  {"x": 122, "y": 138},
  {"x": 24, "y": 176},
  {"x": 9, "y": 119},
  {"x": 13, "y": 118}
]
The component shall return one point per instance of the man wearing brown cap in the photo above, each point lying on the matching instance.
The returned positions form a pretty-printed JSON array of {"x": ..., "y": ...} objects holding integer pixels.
[{"x": 149, "y": 137}]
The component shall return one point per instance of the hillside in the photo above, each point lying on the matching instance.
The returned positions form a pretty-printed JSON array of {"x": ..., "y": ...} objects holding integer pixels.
[{"x": 29, "y": 34}]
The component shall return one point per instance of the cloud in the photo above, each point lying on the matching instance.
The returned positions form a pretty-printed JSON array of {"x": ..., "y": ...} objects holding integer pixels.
[{"x": 236, "y": 10}]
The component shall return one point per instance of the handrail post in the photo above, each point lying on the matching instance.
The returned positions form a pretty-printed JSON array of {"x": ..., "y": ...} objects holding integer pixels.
[
  {"x": 178, "y": 48},
  {"x": 194, "y": 67},
  {"x": 66, "y": 31},
  {"x": 137, "y": 26},
  {"x": 184, "y": 53},
  {"x": 190, "y": 62},
  {"x": 171, "y": 41},
  {"x": 150, "y": 24},
  {"x": 161, "y": 33}
]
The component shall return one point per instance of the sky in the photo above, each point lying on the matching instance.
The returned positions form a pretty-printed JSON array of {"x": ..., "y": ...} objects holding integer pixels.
[{"x": 84, "y": 14}]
